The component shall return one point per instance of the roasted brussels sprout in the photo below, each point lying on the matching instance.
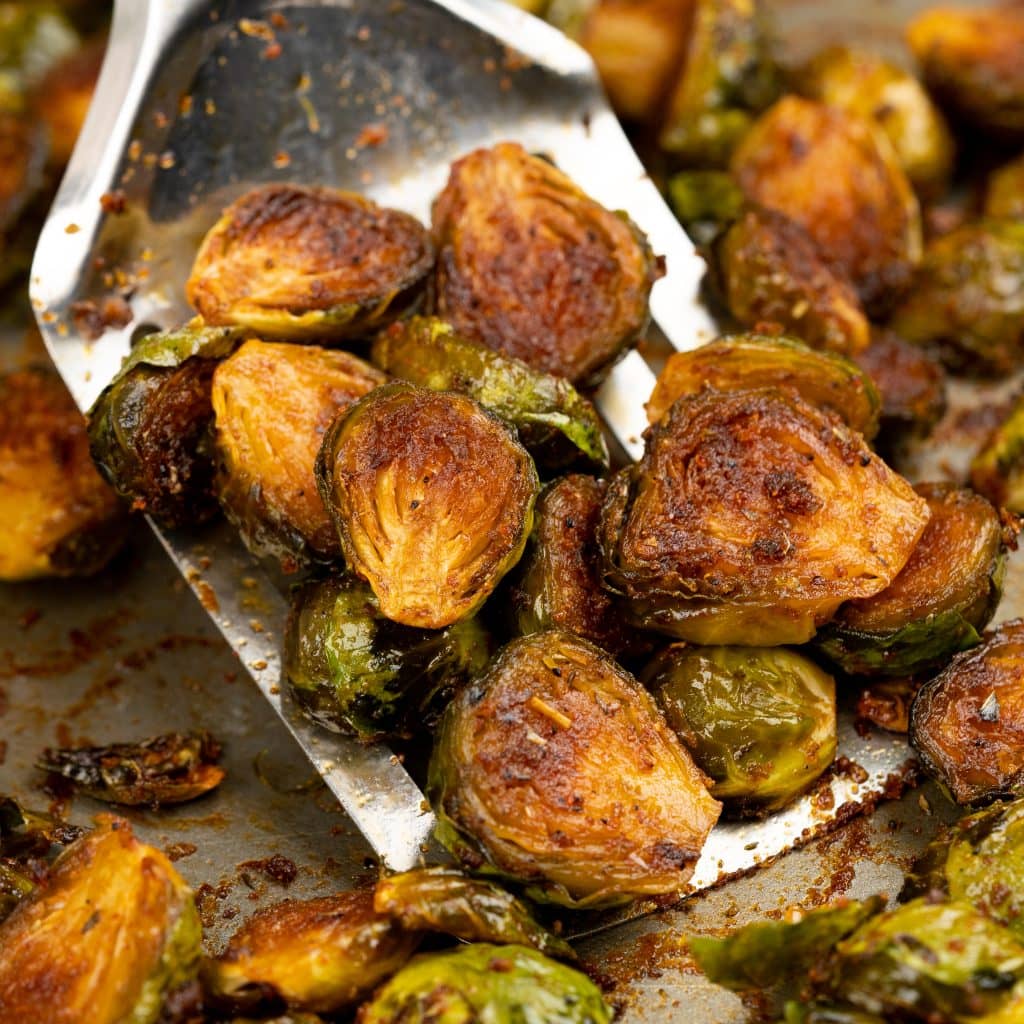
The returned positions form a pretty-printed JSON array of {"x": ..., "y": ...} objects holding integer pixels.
[
  {"x": 869, "y": 86},
  {"x": 939, "y": 603},
  {"x": 558, "y": 582},
  {"x": 150, "y": 428},
  {"x": 481, "y": 982},
  {"x": 355, "y": 671},
  {"x": 971, "y": 61},
  {"x": 772, "y": 272},
  {"x": 556, "y": 768},
  {"x": 726, "y": 77},
  {"x": 997, "y": 471},
  {"x": 968, "y": 298},
  {"x": 739, "y": 362},
  {"x": 532, "y": 267},
  {"x": 272, "y": 404},
  {"x": 60, "y": 518},
  {"x": 967, "y": 724},
  {"x": 1005, "y": 195},
  {"x": 294, "y": 262},
  {"x": 837, "y": 177},
  {"x": 441, "y": 899},
  {"x": 759, "y": 721},
  {"x": 112, "y": 933},
  {"x": 167, "y": 769},
  {"x": 751, "y": 518},
  {"x": 556, "y": 424},
  {"x": 432, "y": 497},
  {"x": 321, "y": 955}
]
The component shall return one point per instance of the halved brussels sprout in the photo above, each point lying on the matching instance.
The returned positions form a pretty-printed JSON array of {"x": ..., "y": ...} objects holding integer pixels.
[
  {"x": 739, "y": 362},
  {"x": 772, "y": 272},
  {"x": 751, "y": 518},
  {"x": 726, "y": 77},
  {"x": 556, "y": 424},
  {"x": 971, "y": 61},
  {"x": 355, "y": 671},
  {"x": 997, "y": 471},
  {"x": 556, "y": 768},
  {"x": 295, "y": 262},
  {"x": 482, "y": 982},
  {"x": 321, "y": 955},
  {"x": 942, "y": 599},
  {"x": 1004, "y": 197},
  {"x": 167, "y": 769},
  {"x": 930, "y": 962},
  {"x": 837, "y": 176},
  {"x": 272, "y": 405},
  {"x": 441, "y": 899},
  {"x": 531, "y": 266},
  {"x": 759, "y": 721},
  {"x": 558, "y": 582},
  {"x": 968, "y": 297},
  {"x": 432, "y": 497},
  {"x": 864, "y": 84},
  {"x": 60, "y": 518},
  {"x": 150, "y": 428},
  {"x": 110, "y": 936},
  {"x": 967, "y": 724}
]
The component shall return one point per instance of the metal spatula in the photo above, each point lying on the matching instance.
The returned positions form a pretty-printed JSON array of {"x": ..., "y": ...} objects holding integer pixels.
[{"x": 200, "y": 100}]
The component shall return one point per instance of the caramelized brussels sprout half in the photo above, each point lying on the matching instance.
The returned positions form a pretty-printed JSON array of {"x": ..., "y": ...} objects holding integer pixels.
[
  {"x": 60, "y": 518},
  {"x": 530, "y": 266},
  {"x": 967, "y": 724},
  {"x": 320, "y": 955},
  {"x": 112, "y": 934},
  {"x": 483, "y": 982},
  {"x": 726, "y": 77},
  {"x": 294, "y": 262},
  {"x": 432, "y": 497},
  {"x": 556, "y": 424},
  {"x": 939, "y": 603},
  {"x": 441, "y": 899},
  {"x": 929, "y": 961},
  {"x": 751, "y": 518},
  {"x": 150, "y": 428},
  {"x": 739, "y": 362},
  {"x": 968, "y": 298},
  {"x": 772, "y": 272},
  {"x": 997, "y": 471},
  {"x": 869, "y": 86},
  {"x": 272, "y": 405},
  {"x": 355, "y": 671},
  {"x": 1004, "y": 197},
  {"x": 556, "y": 768},
  {"x": 558, "y": 582},
  {"x": 837, "y": 177},
  {"x": 759, "y": 721},
  {"x": 167, "y": 769},
  {"x": 971, "y": 61}
]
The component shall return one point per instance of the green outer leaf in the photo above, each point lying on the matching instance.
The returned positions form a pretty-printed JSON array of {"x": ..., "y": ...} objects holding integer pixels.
[{"x": 178, "y": 965}]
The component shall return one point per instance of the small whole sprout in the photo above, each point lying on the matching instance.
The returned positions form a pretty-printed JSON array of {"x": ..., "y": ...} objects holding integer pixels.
[
  {"x": 294, "y": 262},
  {"x": 532, "y": 267},
  {"x": 751, "y": 518},
  {"x": 772, "y": 271},
  {"x": 112, "y": 934},
  {"x": 968, "y": 298},
  {"x": 997, "y": 471},
  {"x": 967, "y": 724},
  {"x": 759, "y": 721},
  {"x": 942, "y": 599},
  {"x": 837, "y": 176},
  {"x": 355, "y": 671},
  {"x": 432, "y": 497},
  {"x": 60, "y": 517},
  {"x": 738, "y": 362},
  {"x": 320, "y": 955},
  {"x": 555, "y": 768},
  {"x": 1004, "y": 197},
  {"x": 484, "y": 982},
  {"x": 272, "y": 404}
]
